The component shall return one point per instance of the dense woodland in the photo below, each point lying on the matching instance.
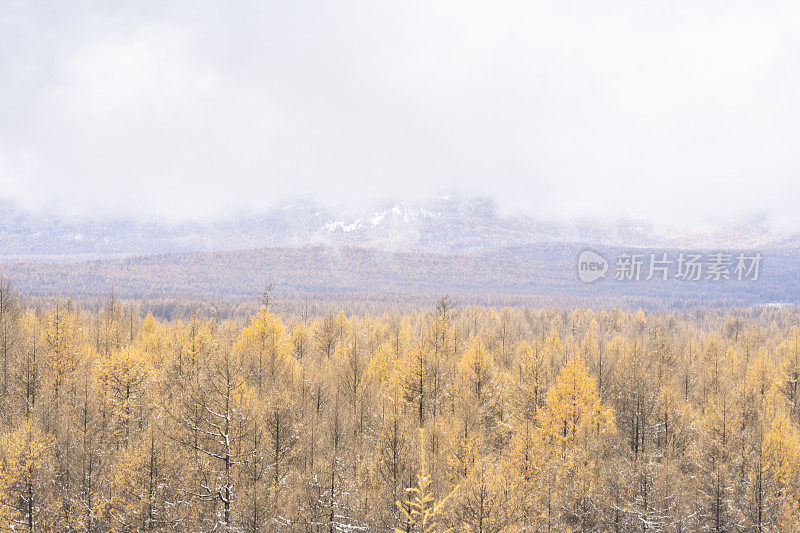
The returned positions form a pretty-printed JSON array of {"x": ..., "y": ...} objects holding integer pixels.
[
  {"x": 497, "y": 419},
  {"x": 542, "y": 275}
]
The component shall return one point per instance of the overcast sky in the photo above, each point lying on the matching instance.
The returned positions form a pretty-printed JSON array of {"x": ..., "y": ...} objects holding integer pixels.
[{"x": 670, "y": 110}]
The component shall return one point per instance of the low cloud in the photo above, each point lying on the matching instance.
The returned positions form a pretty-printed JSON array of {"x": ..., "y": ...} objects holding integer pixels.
[{"x": 686, "y": 110}]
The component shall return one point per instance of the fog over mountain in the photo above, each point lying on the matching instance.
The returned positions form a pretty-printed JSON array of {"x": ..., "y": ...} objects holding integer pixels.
[{"x": 448, "y": 223}]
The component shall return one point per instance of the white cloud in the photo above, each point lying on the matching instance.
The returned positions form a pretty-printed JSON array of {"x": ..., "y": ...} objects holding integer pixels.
[{"x": 668, "y": 109}]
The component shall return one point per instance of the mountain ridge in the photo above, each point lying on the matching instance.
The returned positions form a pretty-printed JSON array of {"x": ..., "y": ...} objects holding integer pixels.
[{"x": 447, "y": 223}]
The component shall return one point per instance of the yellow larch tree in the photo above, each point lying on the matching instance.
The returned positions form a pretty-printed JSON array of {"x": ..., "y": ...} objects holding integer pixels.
[
  {"x": 575, "y": 427},
  {"x": 25, "y": 485}
]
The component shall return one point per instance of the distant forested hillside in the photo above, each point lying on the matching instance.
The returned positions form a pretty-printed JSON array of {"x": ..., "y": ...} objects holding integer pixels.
[{"x": 541, "y": 273}]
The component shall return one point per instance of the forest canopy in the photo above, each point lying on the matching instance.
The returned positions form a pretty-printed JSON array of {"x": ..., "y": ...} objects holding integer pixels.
[{"x": 475, "y": 418}]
